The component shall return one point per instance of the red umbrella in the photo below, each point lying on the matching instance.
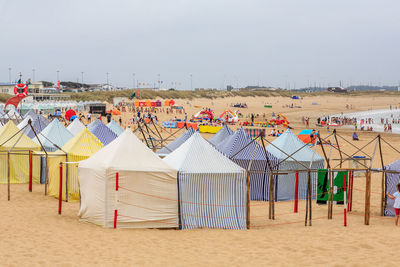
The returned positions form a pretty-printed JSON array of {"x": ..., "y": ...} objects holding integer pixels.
[{"x": 69, "y": 114}]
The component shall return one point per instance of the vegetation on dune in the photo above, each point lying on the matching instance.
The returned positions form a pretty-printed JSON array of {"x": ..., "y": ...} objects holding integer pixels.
[{"x": 210, "y": 94}]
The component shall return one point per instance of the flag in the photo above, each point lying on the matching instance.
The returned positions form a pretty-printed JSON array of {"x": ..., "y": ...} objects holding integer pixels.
[
  {"x": 58, "y": 85},
  {"x": 19, "y": 81},
  {"x": 138, "y": 94},
  {"x": 133, "y": 95}
]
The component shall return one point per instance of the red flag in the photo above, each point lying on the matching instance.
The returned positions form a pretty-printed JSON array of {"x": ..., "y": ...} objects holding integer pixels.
[
  {"x": 58, "y": 85},
  {"x": 138, "y": 94}
]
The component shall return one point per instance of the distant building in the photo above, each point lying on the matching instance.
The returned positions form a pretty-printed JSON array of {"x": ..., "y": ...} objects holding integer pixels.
[
  {"x": 337, "y": 89},
  {"x": 36, "y": 90}
]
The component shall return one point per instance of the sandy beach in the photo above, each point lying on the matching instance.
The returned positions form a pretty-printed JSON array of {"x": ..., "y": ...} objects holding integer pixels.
[{"x": 33, "y": 233}]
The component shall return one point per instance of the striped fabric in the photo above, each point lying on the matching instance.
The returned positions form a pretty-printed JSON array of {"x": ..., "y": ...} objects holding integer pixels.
[
  {"x": 54, "y": 133},
  {"x": 391, "y": 180},
  {"x": 221, "y": 135},
  {"x": 93, "y": 124},
  {"x": 254, "y": 132},
  {"x": 259, "y": 169},
  {"x": 285, "y": 184},
  {"x": 78, "y": 148},
  {"x": 105, "y": 134},
  {"x": 38, "y": 123},
  {"x": 19, "y": 158},
  {"x": 115, "y": 127},
  {"x": 176, "y": 143},
  {"x": 76, "y": 127},
  {"x": 212, "y": 188}
]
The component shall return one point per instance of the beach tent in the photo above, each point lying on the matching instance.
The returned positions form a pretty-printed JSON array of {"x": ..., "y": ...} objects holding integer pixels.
[
  {"x": 237, "y": 148},
  {"x": 212, "y": 189},
  {"x": 105, "y": 134},
  {"x": 221, "y": 135},
  {"x": 158, "y": 103},
  {"x": 93, "y": 124},
  {"x": 305, "y": 136},
  {"x": 81, "y": 147},
  {"x": 54, "y": 134},
  {"x": 76, "y": 127},
  {"x": 285, "y": 184},
  {"x": 115, "y": 127},
  {"x": 391, "y": 180},
  {"x": 31, "y": 113},
  {"x": 176, "y": 143},
  {"x": 11, "y": 138},
  {"x": 38, "y": 123},
  {"x": 148, "y": 193}
]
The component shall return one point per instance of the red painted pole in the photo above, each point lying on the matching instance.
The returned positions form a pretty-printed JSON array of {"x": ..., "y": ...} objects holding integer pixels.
[
  {"x": 345, "y": 201},
  {"x": 296, "y": 193},
  {"x": 116, "y": 190},
  {"x": 60, "y": 192},
  {"x": 30, "y": 171}
]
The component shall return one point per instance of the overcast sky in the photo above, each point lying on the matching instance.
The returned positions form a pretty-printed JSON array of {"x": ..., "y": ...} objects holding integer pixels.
[{"x": 220, "y": 42}]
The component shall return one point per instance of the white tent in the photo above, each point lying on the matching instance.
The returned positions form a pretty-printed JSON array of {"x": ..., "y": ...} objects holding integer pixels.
[
  {"x": 212, "y": 188},
  {"x": 76, "y": 127},
  {"x": 148, "y": 192}
]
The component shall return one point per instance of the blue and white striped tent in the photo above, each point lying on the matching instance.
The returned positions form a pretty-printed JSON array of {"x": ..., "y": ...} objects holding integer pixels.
[
  {"x": 38, "y": 123},
  {"x": 212, "y": 189},
  {"x": 221, "y": 135},
  {"x": 54, "y": 133},
  {"x": 233, "y": 146},
  {"x": 115, "y": 127},
  {"x": 176, "y": 143},
  {"x": 391, "y": 180},
  {"x": 76, "y": 127},
  {"x": 31, "y": 113},
  {"x": 93, "y": 124},
  {"x": 104, "y": 133},
  {"x": 285, "y": 184}
]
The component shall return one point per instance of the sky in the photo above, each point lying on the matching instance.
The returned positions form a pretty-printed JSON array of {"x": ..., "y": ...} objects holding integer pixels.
[{"x": 204, "y": 43}]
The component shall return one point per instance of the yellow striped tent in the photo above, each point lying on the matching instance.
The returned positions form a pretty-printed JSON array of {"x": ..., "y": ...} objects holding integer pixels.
[
  {"x": 11, "y": 138},
  {"x": 81, "y": 147}
]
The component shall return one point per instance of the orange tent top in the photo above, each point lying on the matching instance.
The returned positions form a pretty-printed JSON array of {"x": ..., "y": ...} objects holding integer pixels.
[
  {"x": 166, "y": 102},
  {"x": 137, "y": 102},
  {"x": 148, "y": 103},
  {"x": 116, "y": 112}
]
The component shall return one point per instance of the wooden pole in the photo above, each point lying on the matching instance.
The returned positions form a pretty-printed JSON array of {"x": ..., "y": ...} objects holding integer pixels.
[
  {"x": 383, "y": 189},
  {"x": 367, "y": 197},
  {"x": 271, "y": 196},
  {"x": 248, "y": 201},
  {"x": 340, "y": 151}
]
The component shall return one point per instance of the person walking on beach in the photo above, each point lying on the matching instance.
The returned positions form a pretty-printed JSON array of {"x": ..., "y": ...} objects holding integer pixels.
[{"x": 396, "y": 198}]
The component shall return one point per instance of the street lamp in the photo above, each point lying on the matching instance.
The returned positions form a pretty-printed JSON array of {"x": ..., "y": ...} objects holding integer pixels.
[
  {"x": 191, "y": 81},
  {"x": 133, "y": 75},
  {"x": 9, "y": 74},
  {"x": 33, "y": 75},
  {"x": 58, "y": 75},
  {"x": 108, "y": 86}
]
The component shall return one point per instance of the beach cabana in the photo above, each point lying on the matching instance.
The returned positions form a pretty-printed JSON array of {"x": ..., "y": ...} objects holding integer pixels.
[
  {"x": 148, "y": 193},
  {"x": 148, "y": 103},
  {"x": 76, "y": 127},
  {"x": 81, "y": 147},
  {"x": 391, "y": 180},
  {"x": 105, "y": 134},
  {"x": 11, "y": 138},
  {"x": 93, "y": 124},
  {"x": 54, "y": 136},
  {"x": 221, "y": 135},
  {"x": 158, "y": 103},
  {"x": 176, "y": 143},
  {"x": 115, "y": 127},
  {"x": 233, "y": 148},
  {"x": 38, "y": 123},
  {"x": 212, "y": 188},
  {"x": 285, "y": 184}
]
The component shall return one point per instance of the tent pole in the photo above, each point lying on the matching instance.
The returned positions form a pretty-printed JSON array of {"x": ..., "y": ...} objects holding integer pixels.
[
  {"x": 309, "y": 199},
  {"x": 8, "y": 174},
  {"x": 383, "y": 195},
  {"x": 367, "y": 197},
  {"x": 340, "y": 151},
  {"x": 248, "y": 201},
  {"x": 271, "y": 198}
]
